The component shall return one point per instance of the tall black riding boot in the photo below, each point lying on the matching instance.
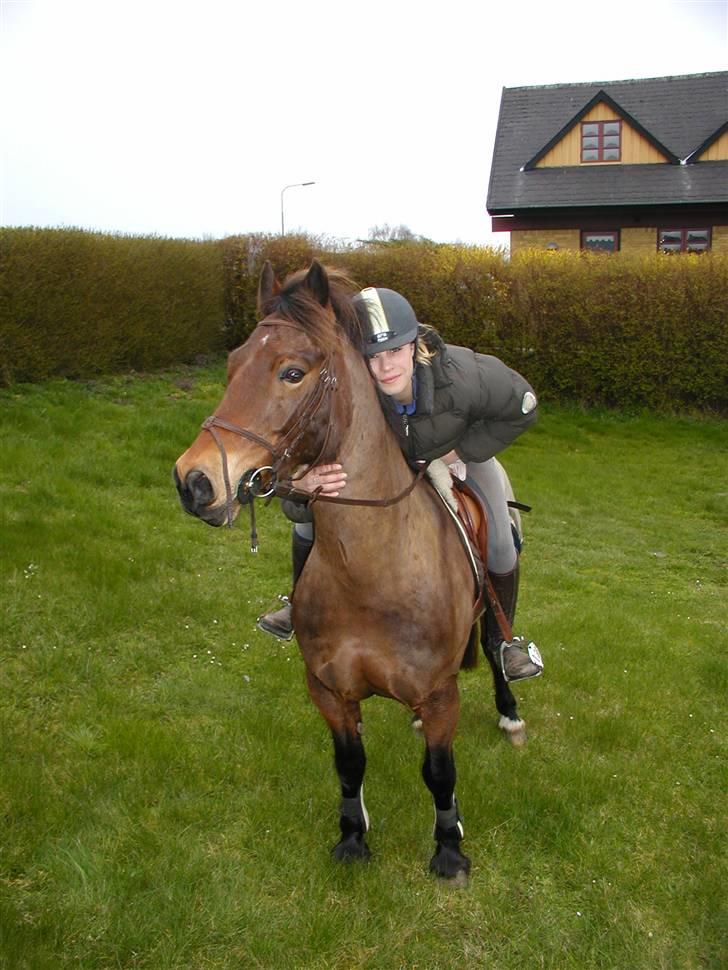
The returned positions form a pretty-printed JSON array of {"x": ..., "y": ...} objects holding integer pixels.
[
  {"x": 278, "y": 622},
  {"x": 517, "y": 659}
]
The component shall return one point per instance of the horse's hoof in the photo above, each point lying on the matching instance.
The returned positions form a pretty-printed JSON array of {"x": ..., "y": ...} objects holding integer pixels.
[
  {"x": 352, "y": 848},
  {"x": 515, "y": 731},
  {"x": 416, "y": 724},
  {"x": 450, "y": 863}
]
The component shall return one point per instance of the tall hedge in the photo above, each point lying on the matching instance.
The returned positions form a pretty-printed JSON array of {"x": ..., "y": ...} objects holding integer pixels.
[
  {"x": 620, "y": 330},
  {"x": 646, "y": 331},
  {"x": 75, "y": 303}
]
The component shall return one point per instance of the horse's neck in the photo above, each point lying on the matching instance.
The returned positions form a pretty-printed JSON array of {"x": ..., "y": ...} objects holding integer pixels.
[
  {"x": 369, "y": 450},
  {"x": 349, "y": 537}
]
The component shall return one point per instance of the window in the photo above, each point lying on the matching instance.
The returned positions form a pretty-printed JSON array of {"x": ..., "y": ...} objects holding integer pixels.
[
  {"x": 683, "y": 240},
  {"x": 600, "y": 242},
  {"x": 601, "y": 141}
]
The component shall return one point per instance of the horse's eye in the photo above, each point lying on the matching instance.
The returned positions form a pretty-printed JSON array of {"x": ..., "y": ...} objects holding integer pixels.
[{"x": 293, "y": 375}]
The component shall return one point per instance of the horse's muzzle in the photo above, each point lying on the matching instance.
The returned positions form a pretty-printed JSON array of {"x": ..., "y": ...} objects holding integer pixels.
[{"x": 196, "y": 494}]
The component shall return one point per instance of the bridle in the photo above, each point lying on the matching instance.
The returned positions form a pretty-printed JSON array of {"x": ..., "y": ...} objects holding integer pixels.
[{"x": 262, "y": 482}]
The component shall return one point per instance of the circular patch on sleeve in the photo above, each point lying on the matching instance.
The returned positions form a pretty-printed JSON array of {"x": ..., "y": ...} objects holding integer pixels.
[{"x": 529, "y": 402}]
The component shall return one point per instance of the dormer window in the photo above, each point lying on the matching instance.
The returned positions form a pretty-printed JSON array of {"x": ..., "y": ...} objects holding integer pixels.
[{"x": 601, "y": 141}]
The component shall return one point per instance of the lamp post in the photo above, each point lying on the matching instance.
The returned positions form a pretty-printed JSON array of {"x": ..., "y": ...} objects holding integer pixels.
[{"x": 295, "y": 185}]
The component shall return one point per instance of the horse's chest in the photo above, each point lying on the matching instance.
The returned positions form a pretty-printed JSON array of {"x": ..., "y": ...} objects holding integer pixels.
[{"x": 395, "y": 657}]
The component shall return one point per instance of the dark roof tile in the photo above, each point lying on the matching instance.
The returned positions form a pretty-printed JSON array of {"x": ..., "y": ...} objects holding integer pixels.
[{"x": 666, "y": 107}]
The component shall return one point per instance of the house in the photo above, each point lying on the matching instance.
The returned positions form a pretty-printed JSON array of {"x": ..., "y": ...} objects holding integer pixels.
[{"x": 637, "y": 166}]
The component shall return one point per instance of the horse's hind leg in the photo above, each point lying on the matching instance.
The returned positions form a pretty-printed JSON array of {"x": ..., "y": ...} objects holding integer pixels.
[
  {"x": 439, "y": 715},
  {"x": 505, "y": 702},
  {"x": 344, "y": 720}
]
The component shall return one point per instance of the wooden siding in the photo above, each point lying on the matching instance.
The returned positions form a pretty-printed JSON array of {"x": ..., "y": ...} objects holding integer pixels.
[
  {"x": 542, "y": 238},
  {"x": 719, "y": 240},
  {"x": 717, "y": 152},
  {"x": 636, "y": 150},
  {"x": 640, "y": 240}
]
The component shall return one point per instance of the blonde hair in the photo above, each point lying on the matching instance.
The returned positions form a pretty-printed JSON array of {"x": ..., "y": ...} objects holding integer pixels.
[{"x": 423, "y": 354}]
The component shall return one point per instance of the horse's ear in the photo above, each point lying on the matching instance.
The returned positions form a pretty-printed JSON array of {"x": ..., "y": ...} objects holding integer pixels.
[
  {"x": 317, "y": 281},
  {"x": 267, "y": 286}
]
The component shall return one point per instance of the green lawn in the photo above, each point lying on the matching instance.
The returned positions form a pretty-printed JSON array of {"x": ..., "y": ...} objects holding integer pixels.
[{"x": 167, "y": 789}]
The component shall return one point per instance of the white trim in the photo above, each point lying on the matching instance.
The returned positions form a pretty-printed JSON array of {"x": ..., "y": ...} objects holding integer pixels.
[{"x": 377, "y": 317}]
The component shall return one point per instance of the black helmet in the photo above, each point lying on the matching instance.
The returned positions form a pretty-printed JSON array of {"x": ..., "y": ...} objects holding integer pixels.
[{"x": 390, "y": 321}]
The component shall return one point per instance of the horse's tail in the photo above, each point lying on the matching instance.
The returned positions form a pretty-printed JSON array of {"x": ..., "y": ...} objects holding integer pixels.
[{"x": 470, "y": 657}]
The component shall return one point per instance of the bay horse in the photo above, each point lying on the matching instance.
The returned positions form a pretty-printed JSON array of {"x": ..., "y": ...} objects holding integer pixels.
[{"x": 384, "y": 603}]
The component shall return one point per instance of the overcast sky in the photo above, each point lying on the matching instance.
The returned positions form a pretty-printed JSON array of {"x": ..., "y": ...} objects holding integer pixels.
[{"x": 188, "y": 118}]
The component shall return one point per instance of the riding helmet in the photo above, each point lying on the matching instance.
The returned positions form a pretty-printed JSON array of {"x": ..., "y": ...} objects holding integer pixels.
[{"x": 389, "y": 320}]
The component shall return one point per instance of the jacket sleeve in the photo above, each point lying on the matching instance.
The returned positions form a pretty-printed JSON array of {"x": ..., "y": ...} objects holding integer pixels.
[{"x": 502, "y": 406}]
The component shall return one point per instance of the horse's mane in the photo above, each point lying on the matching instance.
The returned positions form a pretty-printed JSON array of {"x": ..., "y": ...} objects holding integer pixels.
[{"x": 295, "y": 302}]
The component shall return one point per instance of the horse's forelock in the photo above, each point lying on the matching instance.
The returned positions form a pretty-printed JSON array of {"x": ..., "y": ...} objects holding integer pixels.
[{"x": 296, "y": 303}]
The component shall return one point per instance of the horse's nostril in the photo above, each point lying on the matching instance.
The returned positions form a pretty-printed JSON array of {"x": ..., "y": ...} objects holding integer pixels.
[{"x": 200, "y": 487}]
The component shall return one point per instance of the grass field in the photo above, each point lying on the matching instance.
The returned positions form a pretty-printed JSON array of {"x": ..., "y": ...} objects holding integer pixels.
[{"x": 167, "y": 790}]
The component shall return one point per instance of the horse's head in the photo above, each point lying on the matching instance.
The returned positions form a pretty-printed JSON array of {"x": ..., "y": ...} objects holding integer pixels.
[{"x": 276, "y": 412}]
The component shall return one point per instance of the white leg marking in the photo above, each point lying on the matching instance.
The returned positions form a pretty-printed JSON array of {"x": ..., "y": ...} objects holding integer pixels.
[
  {"x": 365, "y": 813},
  {"x": 515, "y": 730}
]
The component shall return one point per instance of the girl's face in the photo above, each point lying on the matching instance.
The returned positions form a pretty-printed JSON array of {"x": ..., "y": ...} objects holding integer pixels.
[{"x": 392, "y": 370}]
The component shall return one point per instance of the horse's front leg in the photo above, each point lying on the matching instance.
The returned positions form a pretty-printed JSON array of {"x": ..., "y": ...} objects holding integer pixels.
[
  {"x": 344, "y": 720},
  {"x": 440, "y": 713}
]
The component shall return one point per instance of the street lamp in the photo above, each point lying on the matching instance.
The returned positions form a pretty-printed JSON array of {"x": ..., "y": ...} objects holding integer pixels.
[{"x": 296, "y": 185}]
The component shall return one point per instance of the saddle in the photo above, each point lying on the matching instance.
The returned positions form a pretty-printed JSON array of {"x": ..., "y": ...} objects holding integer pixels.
[{"x": 472, "y": 516}]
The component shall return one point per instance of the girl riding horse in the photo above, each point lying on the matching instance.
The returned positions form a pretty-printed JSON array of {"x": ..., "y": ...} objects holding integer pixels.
[{"x": 443, "y": 402}]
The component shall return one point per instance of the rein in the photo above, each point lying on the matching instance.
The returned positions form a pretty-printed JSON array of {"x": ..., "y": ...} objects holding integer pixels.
[
  {"x": 288, "y": 490},
  {"x": 252, "y": 484}
]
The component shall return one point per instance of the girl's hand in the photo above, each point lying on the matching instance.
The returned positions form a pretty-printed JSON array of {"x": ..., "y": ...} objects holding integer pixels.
[
  {"x": 455, "y": 464},
  {"x": 330, "y": 479}
]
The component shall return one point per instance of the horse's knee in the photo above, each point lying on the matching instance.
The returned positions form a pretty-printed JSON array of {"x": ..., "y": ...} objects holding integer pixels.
[{"x": 439, "y": 714}]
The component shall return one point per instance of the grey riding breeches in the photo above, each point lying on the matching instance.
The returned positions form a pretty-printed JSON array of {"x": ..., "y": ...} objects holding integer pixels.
[
  {"x": 488, "y": 478},
  {"x": 304, "y": 530}
]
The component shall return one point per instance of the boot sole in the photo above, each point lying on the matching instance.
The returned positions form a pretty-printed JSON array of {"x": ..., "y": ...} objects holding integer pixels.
[
  {"x": 517, "y": 680},
  {"x": 278, "y": 634}
]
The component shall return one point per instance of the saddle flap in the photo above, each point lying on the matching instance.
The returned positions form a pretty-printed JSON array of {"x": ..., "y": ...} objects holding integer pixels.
[{"x": 472, "y": 514}]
